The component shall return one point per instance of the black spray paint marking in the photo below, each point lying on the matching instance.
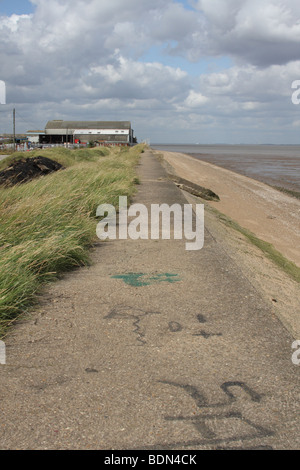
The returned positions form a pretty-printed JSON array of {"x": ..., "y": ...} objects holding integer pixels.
[
  {"x": 252, "y": 394},
  {"x": 134, "y": 314},
  {"x": 209, "y": 436},
  {"x": 206, "y": 335},
  {"x": 201, "y": 423},
  {"x": 201, "y": 318},
  {"x": 201, "y": 400},
  {"x": 194, "y": 392}
]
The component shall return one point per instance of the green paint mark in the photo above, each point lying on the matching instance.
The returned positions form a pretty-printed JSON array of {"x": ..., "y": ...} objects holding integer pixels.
[{"x": 143, "y": 279}]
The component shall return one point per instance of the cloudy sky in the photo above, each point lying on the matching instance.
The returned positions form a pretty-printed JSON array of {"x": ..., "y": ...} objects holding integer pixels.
[{"x": 189, "y": 71}]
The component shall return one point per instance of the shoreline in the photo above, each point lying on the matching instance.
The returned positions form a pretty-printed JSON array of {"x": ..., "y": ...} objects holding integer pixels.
[
  {"x": 280, "y": 185},
  {"x": 270, "y": 214},
  {"x": 273, "y": 165},
  {"x": 276, "y": 286}
]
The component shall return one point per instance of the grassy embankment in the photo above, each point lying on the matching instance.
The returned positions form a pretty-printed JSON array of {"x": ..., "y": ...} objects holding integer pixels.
[
  {"x": 48, "y": 224},
  {"x": 268, "y": 249}
]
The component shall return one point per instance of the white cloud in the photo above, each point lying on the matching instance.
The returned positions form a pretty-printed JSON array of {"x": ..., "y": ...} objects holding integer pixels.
[
  {"x": 263, "y": 32},
  {"x": 129, "y": 79},
  {"x": 251, "y": 105},
  {"x": 195, "y": 100},
  {"x": 83, "y": 59}
]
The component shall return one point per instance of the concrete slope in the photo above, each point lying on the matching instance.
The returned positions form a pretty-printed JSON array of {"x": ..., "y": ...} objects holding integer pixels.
[{"x": 152, "y": 347}]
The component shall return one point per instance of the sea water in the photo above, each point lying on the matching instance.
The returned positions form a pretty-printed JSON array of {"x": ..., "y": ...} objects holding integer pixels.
[{"x": 277, "y": 165}]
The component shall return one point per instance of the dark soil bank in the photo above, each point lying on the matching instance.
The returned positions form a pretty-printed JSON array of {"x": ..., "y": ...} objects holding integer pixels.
[{"x": 27, "y": 169}]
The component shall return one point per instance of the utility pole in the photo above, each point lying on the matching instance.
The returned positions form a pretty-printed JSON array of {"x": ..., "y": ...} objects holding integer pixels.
[
  {"x": 14, "y": 128},
  {"x": 2, "y": 92}
]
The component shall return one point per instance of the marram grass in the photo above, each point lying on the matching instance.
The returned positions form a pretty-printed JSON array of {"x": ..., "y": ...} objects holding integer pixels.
[{"x": 48, "y": 224}]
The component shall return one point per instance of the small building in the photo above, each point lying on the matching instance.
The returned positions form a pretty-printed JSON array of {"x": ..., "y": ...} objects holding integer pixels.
[
  {"x": 34, "y": 137},
  {"x": 84, "y": 132}
]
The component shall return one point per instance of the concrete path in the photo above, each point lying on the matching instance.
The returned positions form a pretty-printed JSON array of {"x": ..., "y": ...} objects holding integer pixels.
[{"x": 152, "y": 347}]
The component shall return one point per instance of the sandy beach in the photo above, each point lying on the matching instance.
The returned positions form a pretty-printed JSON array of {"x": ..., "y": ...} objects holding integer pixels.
[{"x": 271, "y": 215}]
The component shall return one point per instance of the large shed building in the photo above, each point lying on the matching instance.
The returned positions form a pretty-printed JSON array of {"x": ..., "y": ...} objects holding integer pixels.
[{"x": 102, "y": 132}]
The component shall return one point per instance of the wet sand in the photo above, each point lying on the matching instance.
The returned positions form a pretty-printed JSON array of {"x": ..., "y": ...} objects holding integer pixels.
[
  {"x": 271, "y": 215},
  {"x": 276, "y": 165},
  {"x": 268, "y": 170}
]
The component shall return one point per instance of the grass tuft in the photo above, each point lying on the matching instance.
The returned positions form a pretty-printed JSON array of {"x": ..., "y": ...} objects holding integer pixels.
[
  {"x": 267, "y": 248},
  {"x": 48, "y": 224}
]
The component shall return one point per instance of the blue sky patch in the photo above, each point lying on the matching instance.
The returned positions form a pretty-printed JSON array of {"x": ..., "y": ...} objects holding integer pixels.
[{"x": 18, "y": 7}]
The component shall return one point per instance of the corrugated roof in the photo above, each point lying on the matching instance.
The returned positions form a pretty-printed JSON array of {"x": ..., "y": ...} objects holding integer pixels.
[
  {"x": 35, "y": 132},
  {"x": 88, "y": 125}
]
